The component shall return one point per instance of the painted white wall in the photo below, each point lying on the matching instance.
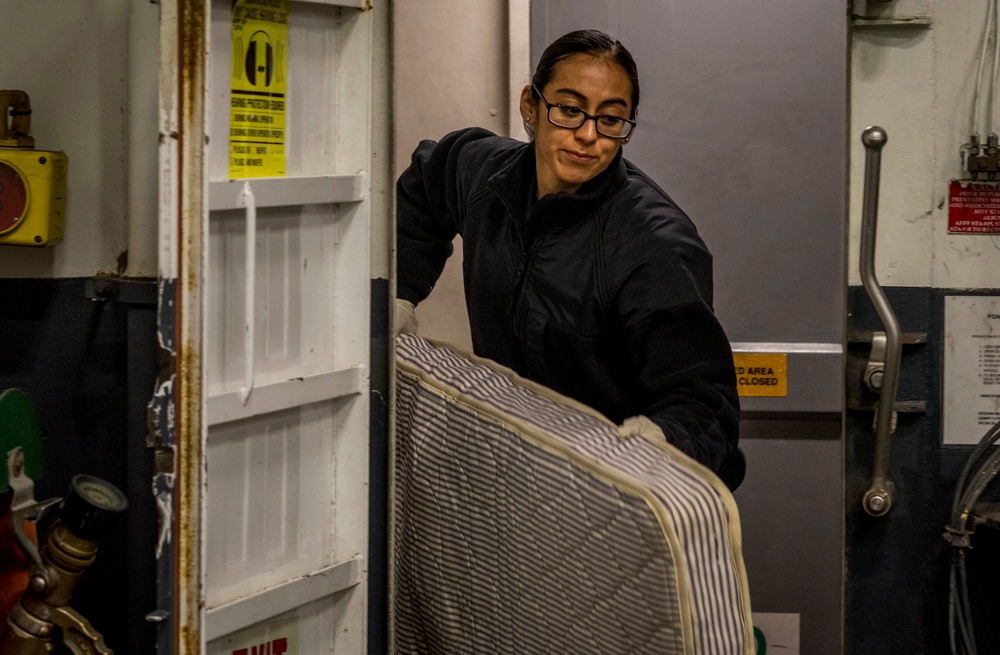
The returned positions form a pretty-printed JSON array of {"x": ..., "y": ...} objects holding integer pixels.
[
  {"x": 382, "y": 153},
  {"x": 72, "y": 60},
  {"x": 917, "y": 83},
  {"x": 452, "y": 71}
]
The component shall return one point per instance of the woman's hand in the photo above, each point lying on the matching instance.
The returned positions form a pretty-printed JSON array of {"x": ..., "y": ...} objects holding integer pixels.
[{"x": 404, "y": 318}]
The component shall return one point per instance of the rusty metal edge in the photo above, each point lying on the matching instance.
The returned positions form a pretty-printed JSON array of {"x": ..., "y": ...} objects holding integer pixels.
[{"x": 192, "y": 190}]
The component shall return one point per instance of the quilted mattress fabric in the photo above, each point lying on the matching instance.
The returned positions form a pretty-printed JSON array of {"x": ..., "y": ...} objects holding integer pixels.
[{"x": 524, "y": 522}]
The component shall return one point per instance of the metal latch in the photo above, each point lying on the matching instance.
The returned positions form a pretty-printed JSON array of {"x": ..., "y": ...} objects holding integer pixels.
[{"x": 882, "y": 370}]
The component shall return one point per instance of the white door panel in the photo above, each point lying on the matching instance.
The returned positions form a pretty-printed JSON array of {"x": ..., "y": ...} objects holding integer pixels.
[
  {"x": 285, "y": 346},
  {"x": 269, "y": 510},
  {"x": 294, "y": 299}
]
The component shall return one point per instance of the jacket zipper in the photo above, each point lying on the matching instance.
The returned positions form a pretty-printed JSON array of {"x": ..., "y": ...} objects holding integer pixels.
[
  {"x": 528, "y": 259},
  {"x": 522, "y": 287},
  {"x": 519, "y": 288}
]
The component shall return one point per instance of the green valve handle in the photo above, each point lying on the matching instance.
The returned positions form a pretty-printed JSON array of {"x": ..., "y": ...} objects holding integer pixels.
[{"x": 20, "y": 439}]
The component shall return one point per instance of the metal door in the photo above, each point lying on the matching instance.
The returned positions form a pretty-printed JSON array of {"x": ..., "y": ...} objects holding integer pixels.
[
  {"x": 262, "y": 410},
  {"x": 742, "y": 121}
]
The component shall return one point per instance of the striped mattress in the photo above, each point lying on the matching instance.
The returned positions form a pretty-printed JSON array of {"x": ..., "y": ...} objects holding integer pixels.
[{"x": 524, "y": 522}]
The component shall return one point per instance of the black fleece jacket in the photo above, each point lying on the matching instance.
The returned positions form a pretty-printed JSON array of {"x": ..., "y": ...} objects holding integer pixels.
[{"x": 604, "y": 295}]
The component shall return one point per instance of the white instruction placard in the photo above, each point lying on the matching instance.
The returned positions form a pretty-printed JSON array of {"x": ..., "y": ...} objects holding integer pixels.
[
  {"x": 971, "y": 367},
  {"x": 776, "y": 633}
]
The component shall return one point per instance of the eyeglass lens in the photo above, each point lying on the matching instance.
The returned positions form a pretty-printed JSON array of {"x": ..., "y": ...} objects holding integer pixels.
[{"x": 571, "y": 117}]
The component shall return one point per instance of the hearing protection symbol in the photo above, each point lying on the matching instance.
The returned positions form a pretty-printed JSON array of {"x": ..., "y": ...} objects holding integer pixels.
[
  {"x": 260, "y": 62},
  {"x": 260, "y": 59}
]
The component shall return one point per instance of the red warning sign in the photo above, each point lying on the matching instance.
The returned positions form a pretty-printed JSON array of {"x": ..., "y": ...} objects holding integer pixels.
[{"x": 974, "y": 208}]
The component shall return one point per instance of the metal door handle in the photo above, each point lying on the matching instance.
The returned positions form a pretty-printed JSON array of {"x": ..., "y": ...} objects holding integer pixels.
[
  {"x": 878, "y": 498},
  {"x": 248, "y": 200}
]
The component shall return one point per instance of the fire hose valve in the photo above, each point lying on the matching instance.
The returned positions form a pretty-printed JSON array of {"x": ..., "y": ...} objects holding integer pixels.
[{"x": 42, "y": 616}]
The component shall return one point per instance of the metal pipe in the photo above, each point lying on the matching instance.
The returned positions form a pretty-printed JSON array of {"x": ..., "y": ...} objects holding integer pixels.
[
  {"x": 142, "y": 108},
  {"x": 878, "y": 498}
]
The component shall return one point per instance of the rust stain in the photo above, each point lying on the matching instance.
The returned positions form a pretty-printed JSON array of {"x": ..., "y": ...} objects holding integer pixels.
[
  {"x": 192, "y": 16},
  {"x": 105, "y": 285}
]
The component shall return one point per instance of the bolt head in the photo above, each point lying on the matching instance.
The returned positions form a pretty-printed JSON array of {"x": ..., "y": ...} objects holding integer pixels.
[
  {"x": 38, "y": 584},
  {"x": 877, "y": 502},
  {"x": 875, "y": 379}
]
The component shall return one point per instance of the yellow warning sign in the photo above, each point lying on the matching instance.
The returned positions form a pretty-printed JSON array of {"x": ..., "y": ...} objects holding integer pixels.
[
  {"x": 761, "y": 374},
  {"x": 257, "y": 104}
]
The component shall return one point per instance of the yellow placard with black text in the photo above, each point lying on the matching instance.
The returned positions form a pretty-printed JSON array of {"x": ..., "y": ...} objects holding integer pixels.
[
  {"x": 258, "y": 102},
  {"x": 761, "y": 374}
]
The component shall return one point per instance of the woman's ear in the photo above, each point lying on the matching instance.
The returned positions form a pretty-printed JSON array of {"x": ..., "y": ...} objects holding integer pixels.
[
  {"x": 529, "y": 112},
  {"x": 528, "y": 105}
]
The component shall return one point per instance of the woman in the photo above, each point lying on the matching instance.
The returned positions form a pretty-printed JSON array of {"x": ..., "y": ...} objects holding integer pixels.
[{"x": 580, "y": 272}]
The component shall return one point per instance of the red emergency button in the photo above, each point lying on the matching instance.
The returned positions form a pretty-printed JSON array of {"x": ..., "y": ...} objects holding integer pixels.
[{"x": 13, "y": 198}]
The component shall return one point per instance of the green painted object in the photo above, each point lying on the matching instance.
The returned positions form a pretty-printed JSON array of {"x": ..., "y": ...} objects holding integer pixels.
[
  {"x": 758, "y": 636},
  {"x": 19, "y": 436}
]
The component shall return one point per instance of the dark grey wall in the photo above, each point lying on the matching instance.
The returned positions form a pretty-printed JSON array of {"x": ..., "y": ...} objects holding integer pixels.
[
  {"x": 897, "y": 566},
  {"x": 378, "y": 473},
  {"x": 743, "y": 121},
  {"x": 88, "y": 367},
  {"x": 790, "y": 510}
]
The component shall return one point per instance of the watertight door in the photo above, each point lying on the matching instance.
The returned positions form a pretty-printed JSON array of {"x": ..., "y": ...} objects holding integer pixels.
[
  {"x": 736, "y": 104},
  {"x": 265, "y": 219}
]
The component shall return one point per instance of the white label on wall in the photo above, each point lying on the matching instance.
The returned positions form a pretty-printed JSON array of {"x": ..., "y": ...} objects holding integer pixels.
[
  {"x": 275, "y": 638},
  {"x": 776, "y": 633},
  {"x": 971, "y": 367}
]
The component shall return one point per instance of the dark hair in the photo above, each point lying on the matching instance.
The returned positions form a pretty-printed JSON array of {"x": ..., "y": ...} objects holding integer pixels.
[{"x": 587, "y": 42}]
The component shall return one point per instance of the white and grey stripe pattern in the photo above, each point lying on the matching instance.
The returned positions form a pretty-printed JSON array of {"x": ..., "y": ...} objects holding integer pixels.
[{"x": 525, "y": 524}]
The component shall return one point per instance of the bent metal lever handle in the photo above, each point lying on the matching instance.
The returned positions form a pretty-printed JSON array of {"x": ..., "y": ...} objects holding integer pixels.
[{"x": 878, "y": 498}]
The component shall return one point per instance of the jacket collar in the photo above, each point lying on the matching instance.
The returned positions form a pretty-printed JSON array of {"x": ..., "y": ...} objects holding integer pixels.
[{"x": 516, "y": 178}]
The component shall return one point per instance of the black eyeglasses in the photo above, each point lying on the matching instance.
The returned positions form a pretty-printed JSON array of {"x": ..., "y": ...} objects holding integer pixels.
[{"x": 613, "y": 127}]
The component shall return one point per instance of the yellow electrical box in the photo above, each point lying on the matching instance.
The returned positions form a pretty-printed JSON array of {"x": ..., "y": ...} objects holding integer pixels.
[{"x": 32, "y": 182}]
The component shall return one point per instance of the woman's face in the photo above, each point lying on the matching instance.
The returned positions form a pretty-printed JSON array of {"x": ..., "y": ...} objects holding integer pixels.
[{"x": 566, "y": 158}]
